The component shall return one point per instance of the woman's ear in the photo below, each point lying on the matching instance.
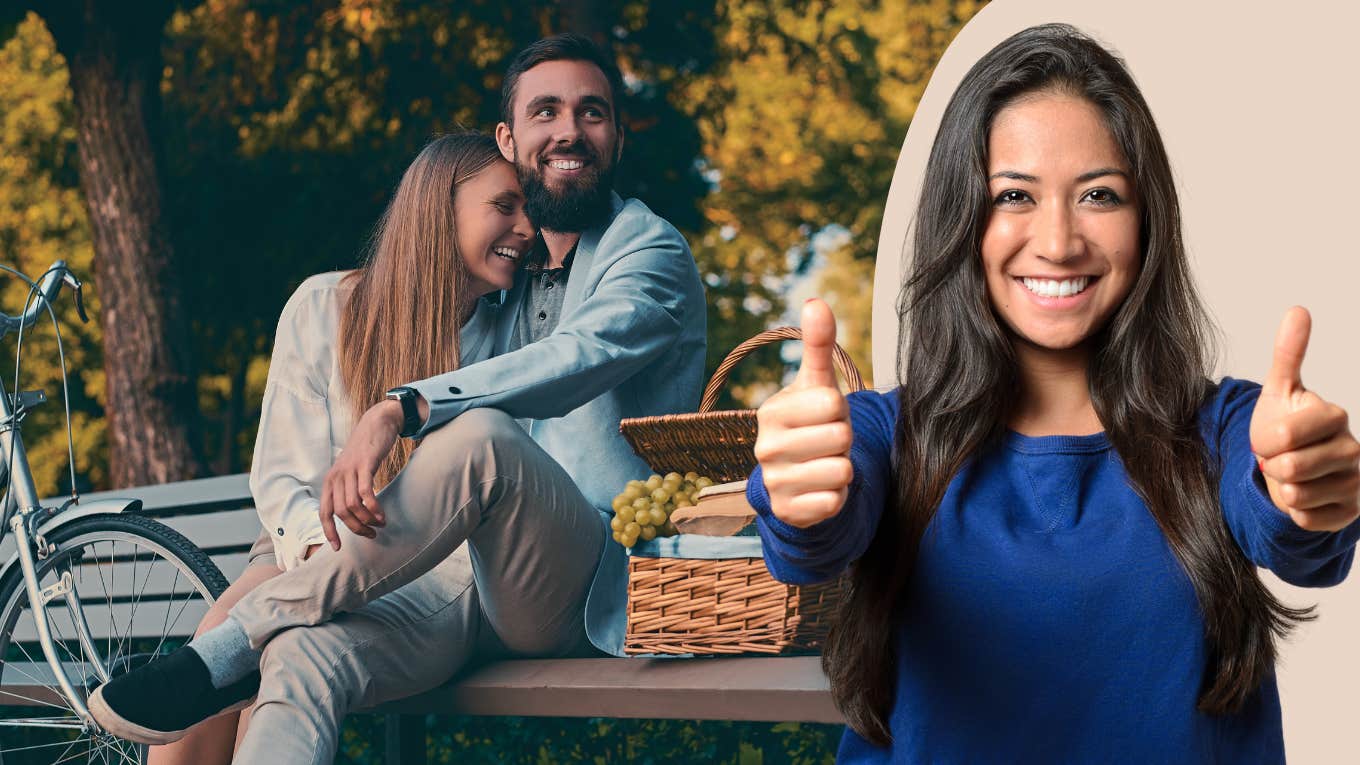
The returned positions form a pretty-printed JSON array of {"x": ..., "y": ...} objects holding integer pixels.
[{"x": 506, "y": 142}]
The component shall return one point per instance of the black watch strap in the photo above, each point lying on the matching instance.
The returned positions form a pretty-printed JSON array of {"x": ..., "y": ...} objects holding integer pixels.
[{"x": 410, "y": 413}]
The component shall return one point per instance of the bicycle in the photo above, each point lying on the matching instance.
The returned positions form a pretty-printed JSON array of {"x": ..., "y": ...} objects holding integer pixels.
[{"x": 112, "y": 587}]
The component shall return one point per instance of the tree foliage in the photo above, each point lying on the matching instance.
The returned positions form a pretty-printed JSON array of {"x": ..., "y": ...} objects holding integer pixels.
[
  {"x": 599, "y": 741},
  {"x": 768, "y": 132},
  {"x": 43, "y": 219},
  {"x": 289, "y": 126},
  {"x": 803, "y": 118}
]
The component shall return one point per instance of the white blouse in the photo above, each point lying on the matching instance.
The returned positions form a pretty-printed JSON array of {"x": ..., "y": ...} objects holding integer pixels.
[{"x": 305, "y": 417}]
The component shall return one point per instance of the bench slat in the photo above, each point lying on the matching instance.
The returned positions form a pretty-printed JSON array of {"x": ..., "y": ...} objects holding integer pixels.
[
  {"x": 181, "y": 497},
  {"x": 773, "y": 689},
  {"x": 212, "y": 531},
  {"x": 768, "y": 689},
  {"x": 150, "y": 620}
]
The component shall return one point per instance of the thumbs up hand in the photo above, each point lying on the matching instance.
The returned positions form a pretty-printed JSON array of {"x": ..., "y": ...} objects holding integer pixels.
[
  {"x": 1303, "y": 444},
  {"x": 804, "y": 436}
]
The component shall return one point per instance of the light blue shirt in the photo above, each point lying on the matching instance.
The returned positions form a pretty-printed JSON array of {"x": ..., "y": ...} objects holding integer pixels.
[{"x": 630, "y": 343}]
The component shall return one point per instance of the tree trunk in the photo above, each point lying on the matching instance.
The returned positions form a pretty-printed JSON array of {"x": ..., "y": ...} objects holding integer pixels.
[{"x": 113, "y": 53}]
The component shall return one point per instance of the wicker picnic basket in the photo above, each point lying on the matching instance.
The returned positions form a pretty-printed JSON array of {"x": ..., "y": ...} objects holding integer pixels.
[{"x": 727, "y": 603}]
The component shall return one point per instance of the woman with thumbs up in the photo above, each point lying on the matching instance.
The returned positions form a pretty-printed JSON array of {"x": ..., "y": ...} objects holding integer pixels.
[{"x": 1051, "y": 528}]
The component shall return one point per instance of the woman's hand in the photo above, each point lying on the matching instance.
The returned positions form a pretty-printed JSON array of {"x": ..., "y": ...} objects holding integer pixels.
[
  {"x": 804, "y": 436},
  {"x": 1303, "y": 444},
  {"x": 347, "y": 492}
]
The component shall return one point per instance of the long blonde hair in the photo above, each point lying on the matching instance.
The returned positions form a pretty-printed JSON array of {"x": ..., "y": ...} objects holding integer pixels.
[{"x": 402, "y": 318}]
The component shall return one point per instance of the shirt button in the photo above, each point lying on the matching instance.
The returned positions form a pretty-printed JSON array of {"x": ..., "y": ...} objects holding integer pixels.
[
  {"x": 550, "y": 286},
  {"x": 280, "y": 530},
  {"x": 542, "y": 314}
]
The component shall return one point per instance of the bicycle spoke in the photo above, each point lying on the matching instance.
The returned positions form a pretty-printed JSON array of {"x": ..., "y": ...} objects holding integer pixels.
[
  {"x": 119, "y": 747},
  {"x": 31, "y": 660},
  {"x": 37, "y": 702},
  {"x": 165, "y": 625},
  {"x": 104, "y": 747},
  {"x": 65, "y": 721},
  {"x": 80, "y": 579},
  {"x": 98, "y": 567},
  {"x": 127, "y": 579},
  {"x": 34, "y": 746},
  {"x": 60, "y": 637},
  {"x": 188, "y": 598},
  {"x": 52, "y": 684},
  {"x": 37, "y": 681},
  {"x": 70, "y": 757},
  {"x": 123, "y": 639},
  {"x": 137, "y": 598}
]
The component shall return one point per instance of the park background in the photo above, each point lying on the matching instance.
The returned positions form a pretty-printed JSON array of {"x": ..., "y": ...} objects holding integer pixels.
[{"x": 195, "y": 161}]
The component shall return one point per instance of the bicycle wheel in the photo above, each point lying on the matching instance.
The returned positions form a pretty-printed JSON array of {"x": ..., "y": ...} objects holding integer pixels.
[{"x": 142, "y": 588}]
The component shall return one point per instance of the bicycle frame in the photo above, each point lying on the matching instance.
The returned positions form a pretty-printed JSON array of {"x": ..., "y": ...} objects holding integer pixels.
[{"x": 24, "y": 516}]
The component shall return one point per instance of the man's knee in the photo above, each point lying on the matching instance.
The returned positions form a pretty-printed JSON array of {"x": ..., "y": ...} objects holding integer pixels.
[
  {"x": 479, "y": 425},
  {"x": 472, "y": 436},
  {"x": 309, "y": 662}
]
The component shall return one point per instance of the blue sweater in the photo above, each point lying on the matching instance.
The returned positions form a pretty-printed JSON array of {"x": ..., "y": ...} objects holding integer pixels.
[{"x": 1048, "y": 620}]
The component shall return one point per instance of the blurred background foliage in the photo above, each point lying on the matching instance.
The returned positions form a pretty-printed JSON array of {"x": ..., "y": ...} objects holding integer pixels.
[
  {"x": 768, "y": 132},
  {"x": 596, "y": 741}
]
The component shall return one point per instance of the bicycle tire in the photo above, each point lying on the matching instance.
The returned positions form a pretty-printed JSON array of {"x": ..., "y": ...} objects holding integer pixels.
[{"x": 91, "y": 547}]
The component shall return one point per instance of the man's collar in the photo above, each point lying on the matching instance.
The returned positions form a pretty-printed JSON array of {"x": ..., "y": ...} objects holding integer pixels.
[{"x": 536, "y": 260}]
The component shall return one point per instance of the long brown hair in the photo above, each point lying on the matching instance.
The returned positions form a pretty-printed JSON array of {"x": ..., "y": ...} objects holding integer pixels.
[
  {"x": 409, "y": 298},
  {"x": 1147, "y": 378}
]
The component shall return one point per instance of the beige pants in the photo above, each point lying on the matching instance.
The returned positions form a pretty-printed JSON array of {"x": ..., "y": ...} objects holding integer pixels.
[{"x": 391, "y": 616}]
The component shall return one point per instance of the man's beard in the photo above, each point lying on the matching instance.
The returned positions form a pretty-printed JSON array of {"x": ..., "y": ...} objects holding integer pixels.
[{"x": 578, "y": 204}]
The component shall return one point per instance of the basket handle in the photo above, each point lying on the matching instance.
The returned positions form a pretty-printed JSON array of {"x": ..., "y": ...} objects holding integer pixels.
[{"x": 840, "y": 358}]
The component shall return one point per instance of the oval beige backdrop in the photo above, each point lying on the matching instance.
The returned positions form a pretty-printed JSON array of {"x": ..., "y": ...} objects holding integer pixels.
[{"x": 1258, "y": 106}]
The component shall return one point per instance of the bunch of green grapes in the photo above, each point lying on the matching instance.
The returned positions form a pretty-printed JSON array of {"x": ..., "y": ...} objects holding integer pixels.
[{"x": 643, "y": 510}]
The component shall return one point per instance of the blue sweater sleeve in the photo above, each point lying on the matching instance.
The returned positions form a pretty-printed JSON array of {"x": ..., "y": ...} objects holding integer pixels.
[
  {"x": 822, "y": 551},
  {"x": 1267, "y": 535}
]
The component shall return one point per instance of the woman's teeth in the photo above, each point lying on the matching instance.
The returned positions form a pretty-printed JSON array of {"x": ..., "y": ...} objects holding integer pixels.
[
  {"x": 509, "y": 253},
  {"x": 1050, "y": 288}
]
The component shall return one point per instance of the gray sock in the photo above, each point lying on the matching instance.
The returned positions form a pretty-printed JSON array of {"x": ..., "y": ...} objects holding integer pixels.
[{"x": 227, "y": 652}]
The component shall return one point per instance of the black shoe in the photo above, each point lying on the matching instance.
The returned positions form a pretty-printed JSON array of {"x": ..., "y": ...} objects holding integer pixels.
[{"x": 158, "y": 702}]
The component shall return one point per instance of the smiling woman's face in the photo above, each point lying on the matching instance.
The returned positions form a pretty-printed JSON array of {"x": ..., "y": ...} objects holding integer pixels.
[
  {"x": 492, "y": 230},
  {"x": 1061, "y": 249}
]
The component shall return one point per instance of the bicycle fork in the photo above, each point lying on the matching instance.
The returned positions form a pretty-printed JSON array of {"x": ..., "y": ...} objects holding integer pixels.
[{"x": 38, "y": 600}]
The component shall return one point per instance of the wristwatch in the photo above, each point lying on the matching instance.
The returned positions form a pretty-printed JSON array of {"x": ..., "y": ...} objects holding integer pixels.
[{"x": 410, "y": 413}]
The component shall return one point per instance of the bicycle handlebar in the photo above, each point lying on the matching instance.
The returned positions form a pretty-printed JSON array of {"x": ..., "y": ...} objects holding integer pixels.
[{"x": 48, "y": 289}]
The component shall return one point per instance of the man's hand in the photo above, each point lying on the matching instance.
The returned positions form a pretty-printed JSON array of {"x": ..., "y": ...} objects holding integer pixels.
[
  {"x": 1303, "y": 444},
  {"x": 804, "y": 436},
  {"x": 347, "y": 492}
]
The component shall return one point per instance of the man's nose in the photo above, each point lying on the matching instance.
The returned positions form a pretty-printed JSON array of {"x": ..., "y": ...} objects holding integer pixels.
[{"x": 566, "y": 130}]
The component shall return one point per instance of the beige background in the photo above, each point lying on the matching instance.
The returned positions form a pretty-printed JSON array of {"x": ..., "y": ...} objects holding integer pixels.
[{"x": 1258, "y": 107}]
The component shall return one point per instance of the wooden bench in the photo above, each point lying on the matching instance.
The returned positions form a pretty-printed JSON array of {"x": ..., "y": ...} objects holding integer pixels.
[{"x": 218, "y": 515}]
